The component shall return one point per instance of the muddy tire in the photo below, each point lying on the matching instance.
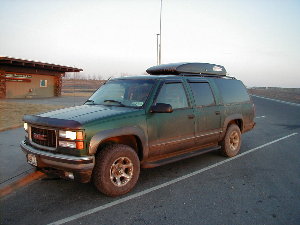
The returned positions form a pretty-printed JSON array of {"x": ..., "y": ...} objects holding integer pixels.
[
  {"x": 117, "y": 169},
  {"x": 231, "y": 144}
]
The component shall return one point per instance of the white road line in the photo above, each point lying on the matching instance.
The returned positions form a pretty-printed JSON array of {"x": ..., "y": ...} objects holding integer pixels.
[
  {"x": 258, "y": 117},
  {"x": 276, "y": 100},
  {"x": 136, "y": 195}
]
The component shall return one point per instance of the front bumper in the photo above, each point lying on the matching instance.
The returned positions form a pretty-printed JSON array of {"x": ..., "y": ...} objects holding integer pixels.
[{"x": 82, "y": 167}]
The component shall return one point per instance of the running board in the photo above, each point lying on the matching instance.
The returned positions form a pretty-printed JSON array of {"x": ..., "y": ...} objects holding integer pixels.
[{"x": 151, "y": 164}]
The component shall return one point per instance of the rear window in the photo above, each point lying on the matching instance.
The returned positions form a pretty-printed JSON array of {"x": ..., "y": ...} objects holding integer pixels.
[{"x": 232, "y": 91}]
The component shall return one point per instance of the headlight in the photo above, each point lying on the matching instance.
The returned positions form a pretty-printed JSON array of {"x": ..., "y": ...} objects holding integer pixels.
[
  {"x": 26, "y": 127},
  {"x": 71, "y": 139},
  {"x": 68, "y": 134},
  {"x": 67, "y": 144}
]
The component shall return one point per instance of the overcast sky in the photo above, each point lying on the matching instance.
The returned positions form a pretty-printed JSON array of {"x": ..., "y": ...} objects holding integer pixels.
[{"x": 258, "y": 41}]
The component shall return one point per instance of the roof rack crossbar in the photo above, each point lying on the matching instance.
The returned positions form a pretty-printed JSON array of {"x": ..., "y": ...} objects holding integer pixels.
[{"x": 204, "y": 75}]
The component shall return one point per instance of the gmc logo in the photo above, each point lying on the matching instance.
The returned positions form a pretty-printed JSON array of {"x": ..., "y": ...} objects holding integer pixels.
[{"x": 41, "y": 137}]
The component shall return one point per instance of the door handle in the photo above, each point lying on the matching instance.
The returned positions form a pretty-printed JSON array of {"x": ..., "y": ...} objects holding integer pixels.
[
  {"x": 217, "y": 112},
  {"x": 192, "y": 116}
]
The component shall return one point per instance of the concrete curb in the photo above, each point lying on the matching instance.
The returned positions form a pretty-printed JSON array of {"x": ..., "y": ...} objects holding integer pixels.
[
  {"x": 10, "y": 128},
  {"x": 21, "y": 183}
]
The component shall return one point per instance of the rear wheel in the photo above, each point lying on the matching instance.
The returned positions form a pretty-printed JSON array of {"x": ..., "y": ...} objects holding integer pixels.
[
  {"x": 116, "y": 170},
  {"x": 231, "y": 144}
]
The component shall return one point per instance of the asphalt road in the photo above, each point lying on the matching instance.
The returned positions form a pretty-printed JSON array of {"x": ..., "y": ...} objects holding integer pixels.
[
  {"x": 12, "y": 165},
  {"x": 261, "y": 186}
]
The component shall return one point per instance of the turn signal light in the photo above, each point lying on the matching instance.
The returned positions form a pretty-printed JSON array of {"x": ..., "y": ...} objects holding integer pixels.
[
  {"x": 79, "y": 144},
  {"x": 79, "y": 135}
]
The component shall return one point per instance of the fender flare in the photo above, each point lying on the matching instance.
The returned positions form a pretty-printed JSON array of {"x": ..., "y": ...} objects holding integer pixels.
[
  {"x": 99, "y": 137},
  {"x": 231, "y": 118}
]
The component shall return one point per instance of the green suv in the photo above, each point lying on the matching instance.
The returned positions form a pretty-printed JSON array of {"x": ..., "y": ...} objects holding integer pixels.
[{"x": 178, "y": 111}]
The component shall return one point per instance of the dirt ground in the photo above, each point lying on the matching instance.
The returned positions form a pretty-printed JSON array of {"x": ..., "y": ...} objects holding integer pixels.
[
  {"x": 285, "y": 94},
  {"x": 70, "y": 86},
  {"x": 11, "y": 113},
  {"x": 80, "y": 88}
]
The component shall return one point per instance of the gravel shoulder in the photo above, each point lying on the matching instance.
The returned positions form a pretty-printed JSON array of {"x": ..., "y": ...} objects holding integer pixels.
[{"x": 284, "y": 94}]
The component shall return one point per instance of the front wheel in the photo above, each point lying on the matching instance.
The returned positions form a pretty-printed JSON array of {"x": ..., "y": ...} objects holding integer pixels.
[
  {"x": 116, "y": 170},
  {"x": 231, "y": 144}
]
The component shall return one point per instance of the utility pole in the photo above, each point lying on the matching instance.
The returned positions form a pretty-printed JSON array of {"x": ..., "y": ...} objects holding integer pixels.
[
  {"x": 160, "y": 33},
  {"x": 157, "y": 49}
]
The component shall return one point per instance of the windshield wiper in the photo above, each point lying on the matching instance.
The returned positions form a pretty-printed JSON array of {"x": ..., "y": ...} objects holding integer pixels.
[
  {"x": 89, "y": 100},
  {"x": 115, "y": 101}
]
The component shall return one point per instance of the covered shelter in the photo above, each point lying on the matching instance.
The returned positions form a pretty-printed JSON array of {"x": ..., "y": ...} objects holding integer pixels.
[{"x": 21, "y": 78}]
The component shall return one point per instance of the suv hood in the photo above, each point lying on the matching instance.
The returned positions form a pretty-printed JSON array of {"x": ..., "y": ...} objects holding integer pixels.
[{"x": 75, "y": 117}]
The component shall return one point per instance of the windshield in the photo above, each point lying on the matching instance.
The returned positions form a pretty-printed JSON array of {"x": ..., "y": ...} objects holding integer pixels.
[{"x": 126, "y": 93}]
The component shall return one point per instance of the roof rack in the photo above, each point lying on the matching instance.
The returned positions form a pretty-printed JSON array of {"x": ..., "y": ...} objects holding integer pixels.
[
  {"x": 188, "y": 69},
  {"x": 205, "y": 75}
]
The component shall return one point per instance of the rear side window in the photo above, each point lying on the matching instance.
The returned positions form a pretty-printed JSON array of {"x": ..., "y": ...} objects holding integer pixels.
[
  {"x": 232, "y": 91},
  {"x": 202, "y": 94}
]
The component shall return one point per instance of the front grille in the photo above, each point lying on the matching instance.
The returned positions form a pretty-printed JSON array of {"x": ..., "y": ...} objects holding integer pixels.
[{"x": 43, "y": 137}]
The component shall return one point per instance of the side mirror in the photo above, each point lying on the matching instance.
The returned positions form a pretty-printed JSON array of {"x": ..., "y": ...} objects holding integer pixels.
[{"x": 161, "y": 108}]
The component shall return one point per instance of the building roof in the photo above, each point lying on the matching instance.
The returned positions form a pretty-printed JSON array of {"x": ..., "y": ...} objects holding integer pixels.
[{"x": 34, "y": 64}]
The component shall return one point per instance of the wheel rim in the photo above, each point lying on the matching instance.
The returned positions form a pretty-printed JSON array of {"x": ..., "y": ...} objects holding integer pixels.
[
  {"x": 121, "y": 171},
  {"x": 234, "y": 140}
]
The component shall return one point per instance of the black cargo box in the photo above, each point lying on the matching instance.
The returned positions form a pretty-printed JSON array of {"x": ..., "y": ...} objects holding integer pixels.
[{"x": 187, "y": 68}]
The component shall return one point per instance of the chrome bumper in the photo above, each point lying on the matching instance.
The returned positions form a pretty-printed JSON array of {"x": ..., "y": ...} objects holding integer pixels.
[{"x": 59, "y": 161}]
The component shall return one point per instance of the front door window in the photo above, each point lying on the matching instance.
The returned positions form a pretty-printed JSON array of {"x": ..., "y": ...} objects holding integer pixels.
[
  {"x": 174, "y": 95},
  {"x": 171, "y": 132}
]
